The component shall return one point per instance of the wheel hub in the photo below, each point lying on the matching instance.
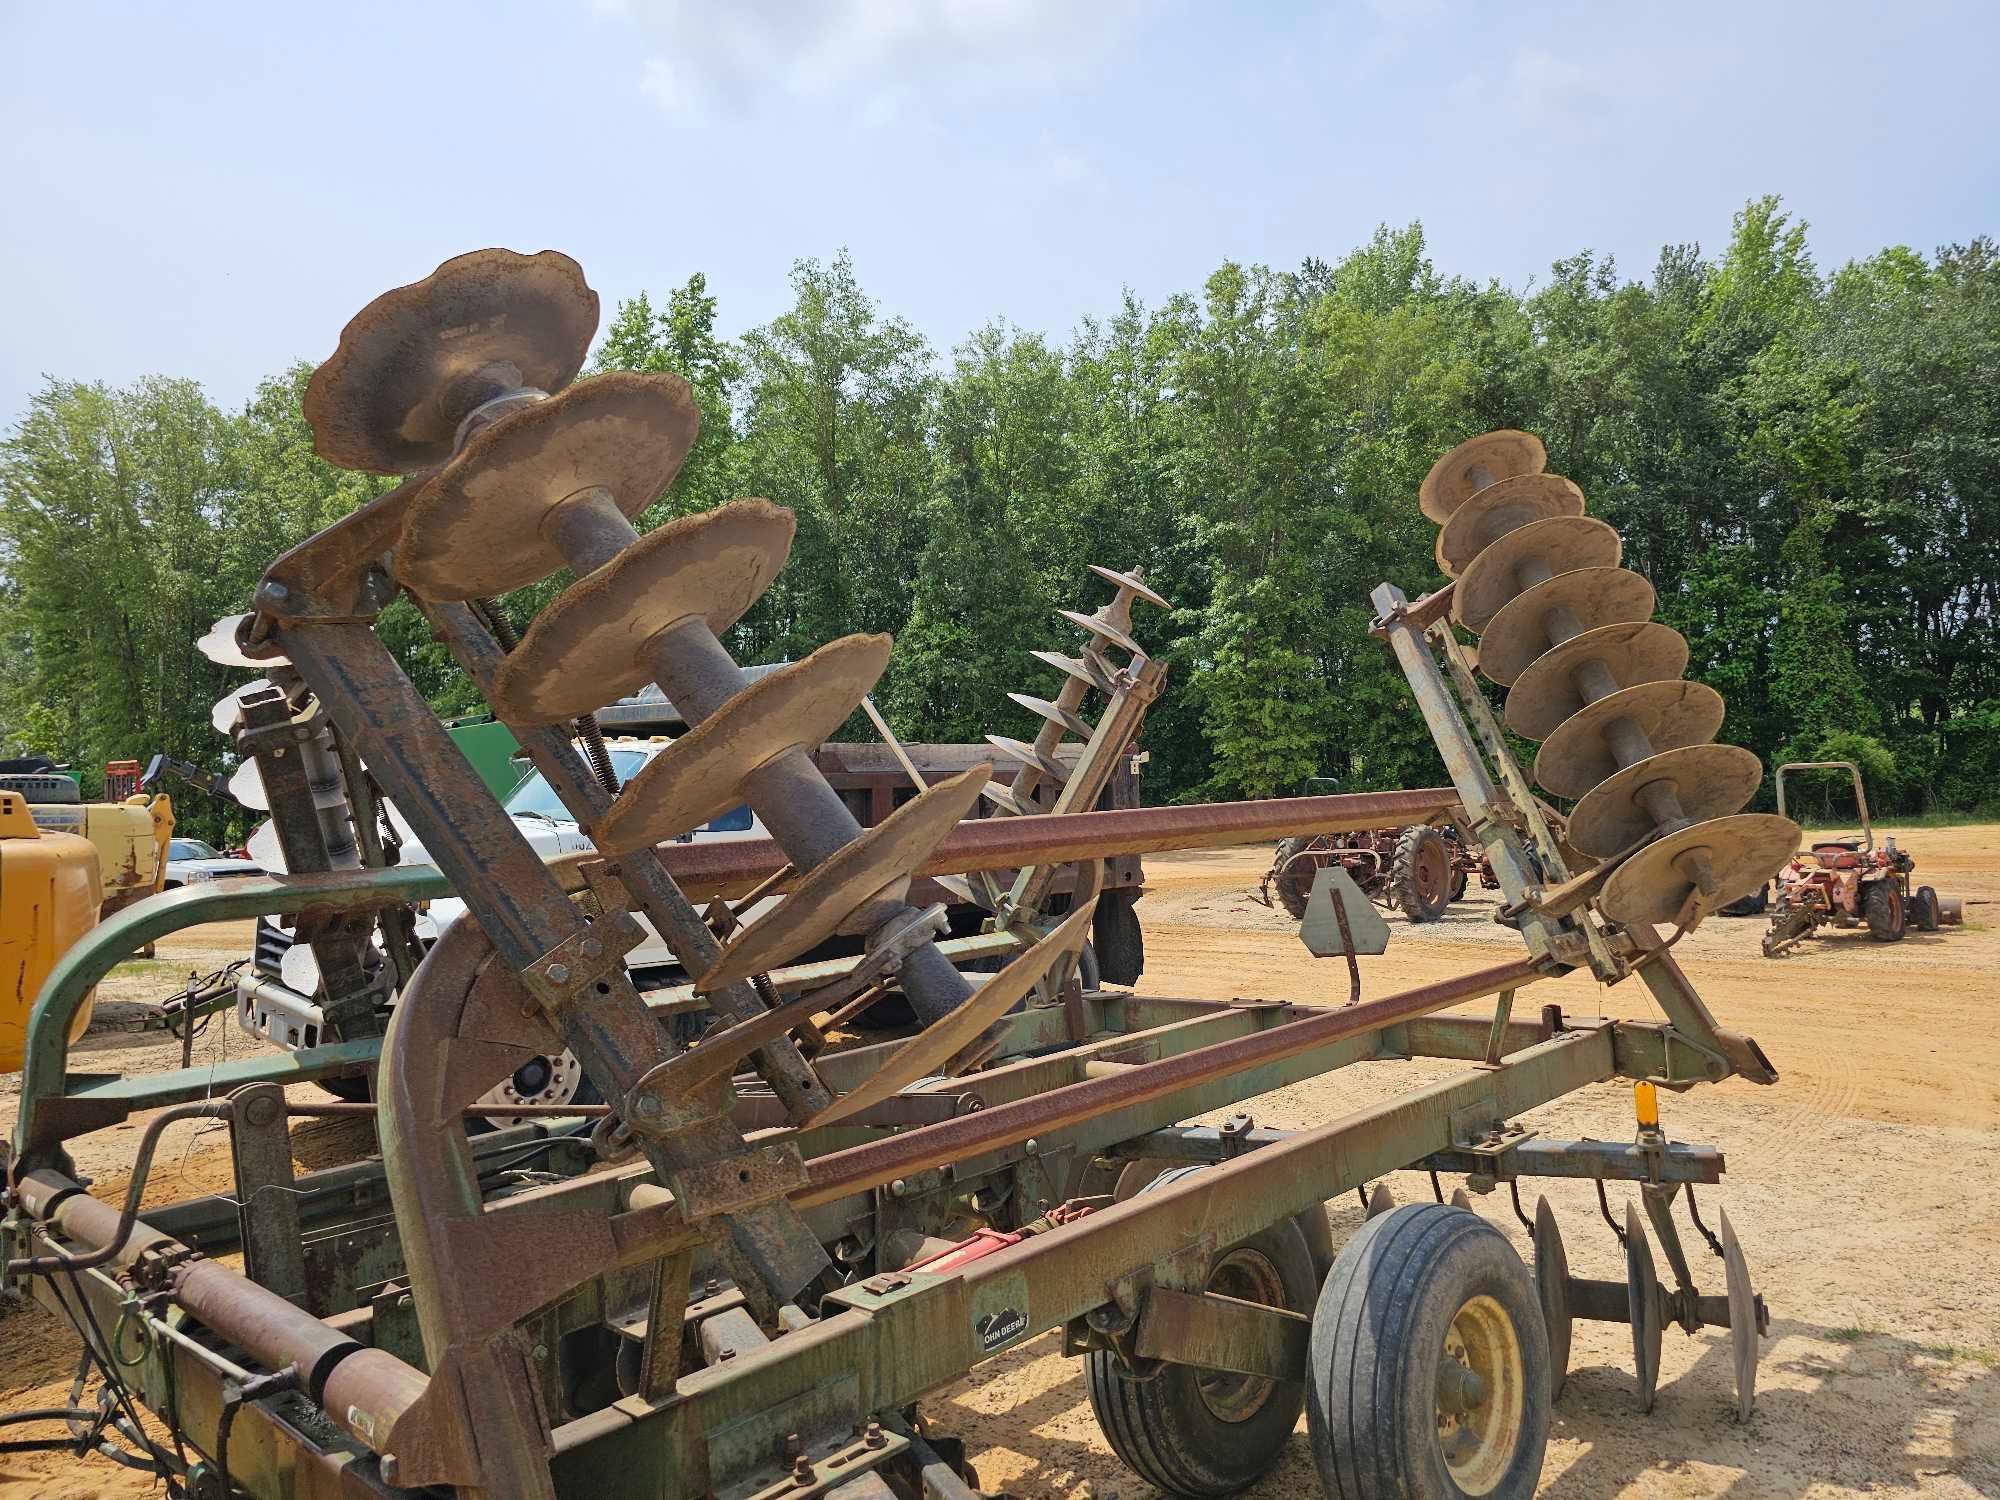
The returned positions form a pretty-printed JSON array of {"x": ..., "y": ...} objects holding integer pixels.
[
  {"x": 1481, "y": 1393},
  {"x": 1248, "y": 1276}
]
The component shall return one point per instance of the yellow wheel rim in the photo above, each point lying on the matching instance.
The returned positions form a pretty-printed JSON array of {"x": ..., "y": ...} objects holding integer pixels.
[{"x": 1481, "y": 1395}]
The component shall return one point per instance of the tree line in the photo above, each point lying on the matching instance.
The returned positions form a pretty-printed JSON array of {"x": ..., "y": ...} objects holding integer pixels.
[{"x": 1806, "y": 465}]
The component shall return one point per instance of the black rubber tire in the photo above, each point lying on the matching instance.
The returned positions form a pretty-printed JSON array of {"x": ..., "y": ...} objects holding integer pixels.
[
  {"x": 348, "y": 1090},
  {"x": 1753, "y": 905},
  {"x": 1882, "y": 906},
  {"x": 1294, "y": 885},
  {"x": 1924, "y": 909},
  {"x": 1459, "y": 879},
  {"x": 1163, "y": 1427},
  {"x": 1420, "y": 874},
  {"x": 1118, "y": 937},
  {"x": 1377, "y": 1341}
]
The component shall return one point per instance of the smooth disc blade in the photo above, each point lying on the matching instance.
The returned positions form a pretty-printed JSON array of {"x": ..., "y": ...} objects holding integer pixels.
[
  {"x": 700, "y": 775},
  {"x": 1056, "y": 714},
  {"x": 875, "y": 865},
  {"x": 1576, "y": 757},
  {"x": 1102, "y": 630},
  {"x": 1497, "y": 510},
  {"x": 592, "y": 646},
  {"x": 1559, "y": 545},
  {"x": 1127, "y": 581},
  {"x": 1547, "y": 693},
  {"x": 1710, "y": 781},
  {"x": 218, "y": 644},
  {"x": 943, "y": 1040},
  {"x": 1642, "y": 1302},
  {"x": 1742, "y": 1321},
  {"x": 1476, "y": 463},
  {"x": 1515, "y": 636},
  {"x": 1743, "y": 851},
  {"x": 1552, "y": 1288},
  {"x": 226, "y": 712}
]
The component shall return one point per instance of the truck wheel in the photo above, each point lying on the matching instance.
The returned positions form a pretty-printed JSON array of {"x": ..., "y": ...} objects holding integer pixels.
[
  {"x": 1924, "y": 909},
  {"x": 1420, "y": 874},
  {"x": 1882, "y": 905},
  {"x": 1198, "y": 1432},
  {"x": 1753, "y": 905},
  {"x": 1295, "y": 879},
  {"x": 348, "y": 1090},
  {"x": 1429, "y": 1372}
]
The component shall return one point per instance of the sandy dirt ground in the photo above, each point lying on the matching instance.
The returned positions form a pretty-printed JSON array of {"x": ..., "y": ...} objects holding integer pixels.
[{"x": 1865, "y": 1187}]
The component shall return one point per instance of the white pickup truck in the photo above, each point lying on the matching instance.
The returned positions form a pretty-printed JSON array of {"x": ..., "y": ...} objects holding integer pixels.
[{"x": 278, "y": 994}]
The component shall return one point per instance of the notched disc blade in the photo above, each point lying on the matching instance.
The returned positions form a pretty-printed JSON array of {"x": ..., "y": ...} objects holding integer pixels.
[
  {"x": 1497, "y": 510},
  {"x": 1476, "y": 463},
  {"x": 1744, "y": 851},
  {"x": 1711, "y": 781},
  {"x": 1742, "y": 1321},
  {"x": 591, "y": 646},
  {"x": 1515, "y": 636},
  {"x": 943, "y": 1040},
  {"x": 475, "y": 530},
  {"x": 1642, "y": 1303},
  {"x": 1552, "y": 1289},
  {"x": 1576, "y": 757},
  {"x": 415, "y": 361},
  {"x": 1561, "y": 544},
  {"x": 1380, "y": 1201},
  {"x": 878, "y": 863},
  {"x": 1546, "y": 694},
  {"x": 1127, "y": 581},
  {"x": 700, "y": 775},
  {"x": 1102, "y": 630}
]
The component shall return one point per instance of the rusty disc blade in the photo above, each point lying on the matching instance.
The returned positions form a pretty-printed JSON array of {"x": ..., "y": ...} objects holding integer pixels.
[
  {"x": 1084, "y": 669},
  {"x": 1500, "y": 508},
  {"x": 1576, "y": 757},
  {"x": 1381, "y": 1201},
  {"x": 1518, "y": 634},
  {"x": 1560, "y": 544},
  {"x": 1102, "y": 630},
  {"x": 943, "y": 1040},
  {"x": 1546, "y": 694},
  {"x": 701, "y": 774},
  {"x": 475, "y": 530},
  {"x": 1127, "y": 581},
  {"x": 1028, "y": 755},
  {"x": 415, "y": 361},
  {"x": 1742, "y": 1320},
  {"x": 875, "y": 866},
  {"x": 1552, "y": 1289},
  {"x": 1744, "y": 851},
  {"x": 592, "y": 645},
  {"x": 1056, "y": 714},
  {"x": 1711, "y": 781},
  {"x": 1642, "y": 1305},
  {"x": 1476, "y": 463}
]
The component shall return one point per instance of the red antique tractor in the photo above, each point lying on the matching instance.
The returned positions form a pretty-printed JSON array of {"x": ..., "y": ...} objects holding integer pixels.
[
  {"x": 1849, "y": 882},
  {"x": 1418, "y": 871}
]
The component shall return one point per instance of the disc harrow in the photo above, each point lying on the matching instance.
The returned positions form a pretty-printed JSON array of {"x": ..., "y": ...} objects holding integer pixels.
[{"x": 1597, "y": 681}]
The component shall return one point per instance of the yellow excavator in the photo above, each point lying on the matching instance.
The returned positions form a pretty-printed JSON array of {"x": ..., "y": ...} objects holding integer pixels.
[{"x": 64, "y": 865}]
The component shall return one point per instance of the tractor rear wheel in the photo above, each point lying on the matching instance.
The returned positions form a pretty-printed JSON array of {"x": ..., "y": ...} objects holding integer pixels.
[
  {"x": 1420, "y": 874},
  {"x": 1295, "y": 874},
  {"x": 1882, "y": 905}
]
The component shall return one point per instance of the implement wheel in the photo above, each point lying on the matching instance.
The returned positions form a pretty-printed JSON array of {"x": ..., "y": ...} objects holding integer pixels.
[
  {"x": 1197, "y": 1432},
  {"x": 1429, "y": 1372},
  {"x": 1420, "y": 874},
  {"x": 1924, "y": 909},
  {"x": 1882, "y": 905},
  {"x": 1295, "y": 875}
]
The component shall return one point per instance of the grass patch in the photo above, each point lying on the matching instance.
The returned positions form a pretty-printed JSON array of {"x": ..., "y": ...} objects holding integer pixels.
[
  {"x": 1955, "y": 1353},
  {"x": 148, "y": 968},
  {"x": 1848, "y": 1335}
]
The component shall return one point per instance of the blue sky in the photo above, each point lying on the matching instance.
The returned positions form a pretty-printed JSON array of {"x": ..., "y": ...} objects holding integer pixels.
[{"x": 212, "y": 189}]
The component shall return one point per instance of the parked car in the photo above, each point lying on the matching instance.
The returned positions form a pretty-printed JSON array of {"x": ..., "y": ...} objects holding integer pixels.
[{"x": 192, "y": 862}]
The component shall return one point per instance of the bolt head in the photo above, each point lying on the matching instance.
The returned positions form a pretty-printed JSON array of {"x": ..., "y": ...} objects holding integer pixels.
[
  {"x": 1031, "y": 1146},
  {"x": 899, "y": 1188},
  {"x": 558, "y": 973},
  {"x": 590, "y": 948},
  {"x": 647, "y": 1107}
]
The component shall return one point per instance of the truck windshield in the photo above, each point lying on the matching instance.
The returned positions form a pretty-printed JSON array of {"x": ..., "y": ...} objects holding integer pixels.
[
  {"x": 190, "y": 849},
  {"x": 537, "y": 798}
]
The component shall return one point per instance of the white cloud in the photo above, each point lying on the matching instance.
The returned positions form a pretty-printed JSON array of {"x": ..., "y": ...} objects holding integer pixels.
[{"x": 703, "y": 57}]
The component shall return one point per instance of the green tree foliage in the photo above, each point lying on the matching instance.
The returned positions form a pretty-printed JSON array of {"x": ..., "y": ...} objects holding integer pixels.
[{"x": 1806, "y": 465}]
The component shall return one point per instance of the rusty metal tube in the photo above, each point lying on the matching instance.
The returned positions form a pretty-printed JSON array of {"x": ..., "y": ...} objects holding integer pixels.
[
  {"x": 841, "y": 1172},
  {"x": 732, "y": 867}
]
